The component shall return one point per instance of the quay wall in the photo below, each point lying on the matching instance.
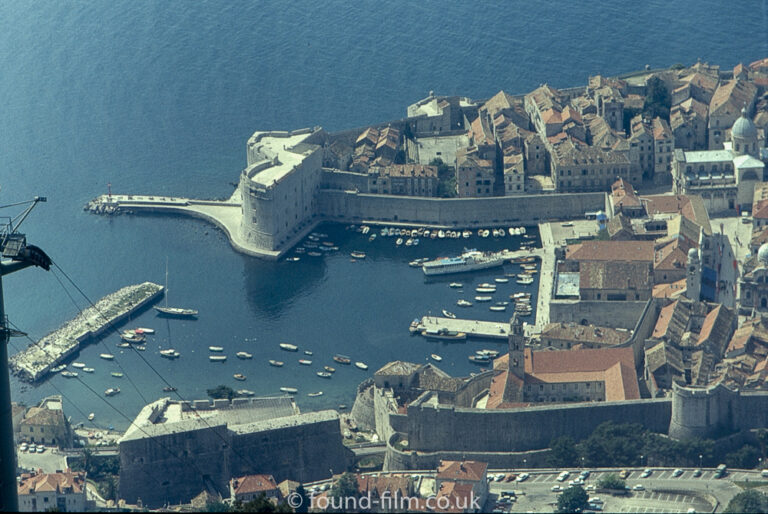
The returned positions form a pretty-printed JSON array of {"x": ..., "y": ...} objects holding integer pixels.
[
  {"x": 346, "y": 206},
  {"x": 433, "y": 428},
  {"x": 601, "y": 313},
  {"x": 34, "y": 362}
]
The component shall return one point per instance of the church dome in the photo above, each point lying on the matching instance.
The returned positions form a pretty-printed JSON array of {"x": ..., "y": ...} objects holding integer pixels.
[
  {"x": 762, "y": 254},
  {"x": 744, "y": 128},
  {"x": 693, "y": 254}
]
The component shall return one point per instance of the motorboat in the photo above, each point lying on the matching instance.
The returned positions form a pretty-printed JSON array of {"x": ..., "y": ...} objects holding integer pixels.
[
  {"x": 485, "y": 289},
  {"x": 501, "y": 280},
  {"x": 216, "y": 348},
  {"x": 342, "y": 359},
  {"x": 293, "y": 259},
  {"x": 444, "y": 333},
  {"x": 245, "y": 392},
  {"x": 169, "y": 389},
  {"x": 130, "y": 336},
  {"x": 502, "y": 233},
  {"x": 91, "y": 416},
  {"x": 464, "y": 303},
  {"x": 495, "y": 232},
  {"x": 436, "y": 357},
  {"x": 140, "y": 347},
  {"x": 358, "y": 255},
  {"x": 217, "y": 358},
  {"x": 324, "y": 374},
  {"x": 146, "y": 331},
  {"x": 456, "y": 285},
  {"x": 441, "y": 234},
  {"x": 485, "y": 233},
  {"x": 170, "y": 353},
  {"x": 239, "y": 376},
  {"x": 315, "y": 395},
  {"x": 480, "y": 359},
  {"x": 58, "y": 368},
  {"x": 88, "y": 370},
  {"x": 449, "y": 314},
  {"x": 483, "y": 298},
  {"x": 244, "y": 355},
  {"x": 399, "y": 241},
  {"x": 277, "y": 364},
  {"x": 522, "y": 230},
  {"x": 69, "y": 374},
  {"x": 79, "y": 365},
  {"x": 329, "y": 369},
  {"x": 112, "y": 391},
  {"x": 123, "y": 345},
  {"x": 290, "y": 390},
  {"x": 289, "y": 347},
  {"x": 307, "y": 352},
  {"x": 469, "y": 260},
  {"x": 498, "y": 308},
  {"x": 409, "y": 242},
  {"x": 488, "y": 353},
  {"x": 305, "y": 362},
  {"x": 117, "y": 374},
  {"x": 361, "y": 365},
  {"x": 466, "y": 234},
  {"x": 107, "y": 356}
]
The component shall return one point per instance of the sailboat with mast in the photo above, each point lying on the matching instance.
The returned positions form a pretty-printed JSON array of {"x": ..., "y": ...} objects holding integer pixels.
[{"x": 176, "y": 312}]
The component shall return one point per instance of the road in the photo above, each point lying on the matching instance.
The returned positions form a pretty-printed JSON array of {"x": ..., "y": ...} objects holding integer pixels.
[{"x": 663, "y": 492}]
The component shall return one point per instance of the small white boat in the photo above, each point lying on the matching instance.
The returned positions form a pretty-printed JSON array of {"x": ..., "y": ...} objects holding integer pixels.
[
  {"x": 217, "y": 358},
  {"x": 358, "y": 255},
  {"x": 277, "y": 364},
  {"x": 244, "y": 355},
  {"x": 170, "y": 353},
  {"x": 117, "y": 374},
  {"x": 123, "y": 345},
  {"x": 456, "y": 285},
  {"x": 289, "y": 347},
  {"x": 501, "y": 280},
  {"x": 305, "y": 362},
  {"x": 502, "y": 233},
  {"x": 107, "y": 356},
  {"x": 464, "y": 303},
  {"x": 449, "y": 314},
  {"x": 441, "y": 234},
  {"x": 216, "y": 348},
  {"x": 466, "y": 234},
  {"x": 315, "y": 395},
  {"x": 58, "y": 368},
  {"x": 495, "y": 232},
  {"x": 522, "y": 230},
  {"x": 399, "y": 241},
  {"x": 361, "y": 365},
  {"x": 485, "y": 233},
  {"x": 485, "y": 289},
  {"x": 142, "y": 330},
  {"x": 409, "y": 242},
  {"x": 324, "y": 374},
  {"x": 88, "y": 370},
  {"x": 245, "y": 392},
  {"x": 290, "y": 390},
  {"x": 498, "y": 308},
  {"x": 436, "y": 357},
  {"x": 239, "y": 376},
  {"x": 293, "y": 259},
  {"x": 307, "y": 352},
  {"x": 91, "y": 416},
  {"x": 69, "y": 374},
  {"x": 112, "y": 391},
  {"x": 78, "y": 365},
  {"x": 483, "y": 298}
]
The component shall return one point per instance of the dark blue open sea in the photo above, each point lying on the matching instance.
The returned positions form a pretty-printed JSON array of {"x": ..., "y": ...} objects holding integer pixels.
[{"x": 160, "y": 97}]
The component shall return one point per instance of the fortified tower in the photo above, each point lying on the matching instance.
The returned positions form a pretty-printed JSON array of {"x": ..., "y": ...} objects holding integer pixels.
[
  {"x": 702, "y": 411},
  {"x": 514, "y": 387}
]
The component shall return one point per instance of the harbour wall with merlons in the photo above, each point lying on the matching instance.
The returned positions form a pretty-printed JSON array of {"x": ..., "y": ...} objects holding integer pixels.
[{"x": 36, "y": 361}]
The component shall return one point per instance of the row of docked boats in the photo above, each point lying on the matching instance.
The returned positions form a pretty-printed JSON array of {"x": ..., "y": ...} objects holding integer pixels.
[
  {"x": 483, "y": 357},
  {"x": 326, "y": 373},
  {"x": 437, "y": 233},
  {"x": 313, "y": 246}
]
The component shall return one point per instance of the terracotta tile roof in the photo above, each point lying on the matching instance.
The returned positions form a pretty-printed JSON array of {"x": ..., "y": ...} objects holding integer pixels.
[
  {"x": 661, "y": 129},
  {"x": 369, "y": 136},
  {"x": 620, "y": 223},
  {"x": 702, "y": 80},
  {"x": 672, "y": 255},
  {"x": 662, "y": 322},
  {"x": 43, "y": 416},
  {"x": 624, "y": 195},
  {"x": 759, "y": 237},
  {"x": 730, "y": 97},
  {"x": 716, "y": 329},
  {"x": 398, "y": 368},
  {"x": 664, "y": 353},
  {"x": 480, "y": 132},
  {"x": 253, "y": 484},
  {"x": 64, "y": 482},
  {"x": 459, "y": 497},
  {"x": 672, "y": 290},
  {"x": 396, "y": 486},
  {"x": 615, "y": 275},
  {"x": 690, "y": 206},
  {"x": 761, "y": 64},
  {"x": 498, "y": 102},
  {"x": 760, "y": 201},
  {"x": 465, "y": 471},
  {"x": 637, "y": 251}
]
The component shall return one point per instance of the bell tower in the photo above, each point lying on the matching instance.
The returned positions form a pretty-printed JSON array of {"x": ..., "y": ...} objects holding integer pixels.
[{"x": 516, "y": 348}]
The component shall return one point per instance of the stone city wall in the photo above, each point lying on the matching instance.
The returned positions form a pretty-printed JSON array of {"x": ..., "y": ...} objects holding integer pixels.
[
  {"x": 384, "y": 405},
  {"x": 346, "y": 207},
  {"x": 444, "y": 427},
  {"x": 363, "y": 409}
]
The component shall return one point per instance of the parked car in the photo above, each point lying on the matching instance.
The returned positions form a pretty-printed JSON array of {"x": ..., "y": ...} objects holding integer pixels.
[
  {"x": 595, "y": 506},
  {"x": 638, "y": 487},
  {"x": 40, "y": 449},
  {"x": 646, "y": 473},
  {"x": 557, "y": 489},
  {"x": 590, "y": 487},
  {"x": 522, "y": 477},
  {"x": 676, "y": 473},
  {"x": 697, "y": 472},
  {"x": 584, "y": 474},
  {"x": 623, "y": 474}
]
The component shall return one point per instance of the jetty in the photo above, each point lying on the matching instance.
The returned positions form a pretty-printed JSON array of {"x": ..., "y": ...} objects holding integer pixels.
[
  {"x": 36, "y": 360},
  {"x": 473, "y": 328}
]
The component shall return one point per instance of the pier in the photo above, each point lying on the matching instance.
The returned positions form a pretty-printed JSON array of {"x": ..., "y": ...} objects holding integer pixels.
[
  {"x": 36, "y": 360},
  {"x": 473, "y": 328}
]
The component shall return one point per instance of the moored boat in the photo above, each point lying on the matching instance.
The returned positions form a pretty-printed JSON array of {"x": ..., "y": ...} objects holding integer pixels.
[
  {"x": 501, "y": 280},
  {"x": 91, "y": 416},
  {"x": 216, "y": 348},
  {"x": 315, "y": 395},
  {"x": 58, "y": 368},
  {"x": 275, "y": 363},
  {"x": 498, "y": 308},
  {"x": 466, "y": 234},
  {"x": 485, "y": 289},
  {"x": 112, "y": 391},
  {"x": 342, "y": 359},
  {"x": 239, "y": 376},
  {"x": 245, "y": 392},
  {"x": 78, "y": 365},
  {"x": 329, "y": 369},
  {"x": 244, "y": 355},
  {"x": 444, "y": 333},
  {"x": 469, "y": 260},
  {"x": 107, "y": 356},
  {"x": 289, "y": 347},
  {"x": 169, "y": 389},
  {"x": 436, "y": 357},
  {"x": 358, "y": 255},
  {"x": 480, "y": 359},
  {"x": 483, "y": 298},
  {"x": 464, "y": 303},
  {"x": 324, "y": 374},
  {"x": 488, "y": 353},
  {"x": 399, "y": 241},
  {"x": 289, "y": 390},
  {"x": 143, "y": 330},
  {"x": 69, "y": 374},
  {"x": 456, "y": 285},
  {"x": 170, "y": 353},
  {"x": 123, "y": 345},
  {"x": 361, "y": 365},
  {"x": 117, "y": 374},
  {"x": 305, "y": 362},
  {"x": 88, "y": 370},
  {"x": 449, "y": 314},
  {"x": 217, "y": 358},
  {"x": 130, "y": 336}
]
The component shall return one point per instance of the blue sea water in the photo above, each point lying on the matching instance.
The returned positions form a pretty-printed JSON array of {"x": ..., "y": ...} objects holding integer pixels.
[{"x": 160, "y": 97}]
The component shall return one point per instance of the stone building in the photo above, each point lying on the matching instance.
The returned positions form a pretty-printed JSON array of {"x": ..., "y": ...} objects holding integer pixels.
[
  {"x": 250, "y": 487},
  {"x": 753, "y": 283},
  {"x": 403, "y": 179},
  {"x": 688, "y": 121},
  {"x": 577, "y": 167},
  {"x": 664, "y": 145},
  {"x": 641, "y": 145},
  {"x": 514, "y": 174},
  {"x": 475, "y": 176},
  {"x": 760, "y": 206},
  {"x": 173, "y": 450},
  {"x": 625, "y": 201},
  {"x": 437, "y": 114},
  {"x": 63, "y": 491},
  {"x": 724, "y": 108},
  {"x": 544, "y": 106},
  {"x": 564, "y": 336},
  {"x": 47, "y": 424},
  {"x": 610, "y": 106},
  {"x": 465, "y": 473}
]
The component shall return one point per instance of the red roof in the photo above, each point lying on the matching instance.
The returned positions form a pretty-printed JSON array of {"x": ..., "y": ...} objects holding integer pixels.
[
  {"x": 462, "y": 470},
  {"x": 253, "y": 484}
]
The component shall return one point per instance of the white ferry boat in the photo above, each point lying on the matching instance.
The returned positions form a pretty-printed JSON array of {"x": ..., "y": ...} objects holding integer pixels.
[{"x": 470, "y": 260}]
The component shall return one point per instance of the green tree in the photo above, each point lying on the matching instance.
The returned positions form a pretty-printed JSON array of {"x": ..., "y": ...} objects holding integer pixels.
[
  {"x": 345, "y": 487},
  {"x": 750, "y": 501},
  {"x": 611, "y": 481},
  {"x": 563, "y": 454},
  {"x": 261, "y": 504},
  {"x": 216, "y": 507},
  {"x": 446, "y": 176},
  {"x": 220, "y": 392},
  {"x": 573, "y": 499},
  {"x": 629, "y": 113},
  {"x": 613, "y": 445},
  {"x": 657, "y": 99},
  {"x": 743, "y": 458}
]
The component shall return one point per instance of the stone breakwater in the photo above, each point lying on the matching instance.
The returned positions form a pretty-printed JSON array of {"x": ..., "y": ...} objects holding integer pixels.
[{"x": 36, "y": 360}]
